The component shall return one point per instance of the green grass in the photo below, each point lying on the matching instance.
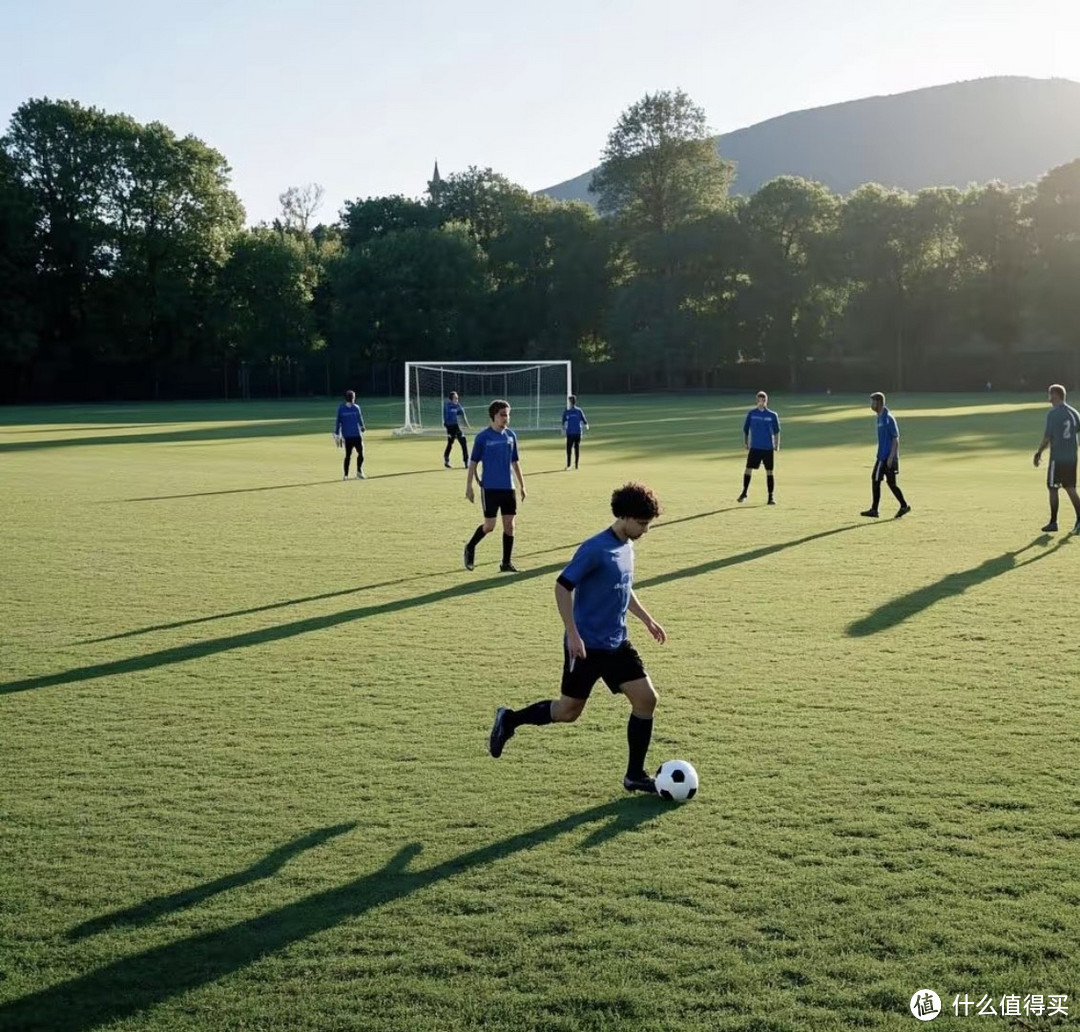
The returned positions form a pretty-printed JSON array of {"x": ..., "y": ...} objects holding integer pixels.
[{"x": 244, "y": 710}]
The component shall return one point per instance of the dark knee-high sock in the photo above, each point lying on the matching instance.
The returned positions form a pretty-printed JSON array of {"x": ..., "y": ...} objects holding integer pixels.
[
  {"x": 346, "y": 464},
  {"x": 359, "y": 456},
  {"x": 897, "y": 493},
  {"x": 1053, "y": 506},
  {"x": 464, "y": 451},
  {"x": 569, "y": 449},
  {"x": 745, "y": 483},
  {"x": 770, "y": 481},
  {"x": 876, "y": 488},
  {"x": 577, "y": 452},
  {"x": 638, "y": 736},
  {"x": 449, "y": 445},
  {"x": 538, "y": 713},
  {"x": 508, "y": 546},
  {"x": 478, "y": 536}
]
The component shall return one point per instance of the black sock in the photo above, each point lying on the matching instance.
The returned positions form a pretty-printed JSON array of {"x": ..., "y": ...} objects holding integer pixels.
[
  {"x": 538, "y": 713},
  {"x": 638, "y": 736},
  {"x": 897, "y": 493},
  {"x": 745, "y": 483},
  {"x": 464, "y": 452},
  {"x": 770, "y": 481},
  {"x": 877, "y": 494},
  {"x": 446, "y": 454},
  {"x": 1053, "y": 511},
  {"x": 569, "y": 450},
  {"x": 478, "y": 536},
  {"x": 508, "y": 548}
]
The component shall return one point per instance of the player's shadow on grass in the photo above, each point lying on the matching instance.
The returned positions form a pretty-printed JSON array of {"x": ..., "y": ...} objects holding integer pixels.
[
  {"x": 196, "y": 650},
  {"x": 352, "y": 591},
  {"x": 152, "y": 909},
  {"x": 897, "y": 610},
  {"x": 268, "y": 487},
  {"x": 134, "y": 984},
  {"x": 742, "y": 557}
]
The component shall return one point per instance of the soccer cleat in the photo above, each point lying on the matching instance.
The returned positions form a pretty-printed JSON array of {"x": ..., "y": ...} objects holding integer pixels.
[
  {"x": 741, "y": 498},
  {"x": 872, "y": 513},
  {"x": 771, "y": 501},
  {"x": 345, "y": 477},
  {"x": 639, "y": 783},
  {"x": 446, "y": 463},
  {"x": 468, "y": 558},
  {"x": 508, "y": 568},
  {"x": 902, "y": 511},
  {"x": 361, "y": 475},
  {"x": 501, "y": 732},
  {"x": 1051, "y": 528},
  {"x": 568, "y": 469}
]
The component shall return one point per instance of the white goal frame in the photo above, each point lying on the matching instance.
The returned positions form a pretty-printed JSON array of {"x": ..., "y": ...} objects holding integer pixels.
[{"x": 531, "y": 410}]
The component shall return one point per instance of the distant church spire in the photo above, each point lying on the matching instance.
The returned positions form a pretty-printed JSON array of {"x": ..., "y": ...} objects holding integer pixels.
[{"x": 435, "y": 186}]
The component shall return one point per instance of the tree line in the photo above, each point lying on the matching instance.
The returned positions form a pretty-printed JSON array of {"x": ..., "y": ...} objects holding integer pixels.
[{"x": 126, "y": 271}]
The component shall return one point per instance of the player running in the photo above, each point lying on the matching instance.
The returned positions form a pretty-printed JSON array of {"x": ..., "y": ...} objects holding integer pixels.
[{"x": 593, "y": 595}]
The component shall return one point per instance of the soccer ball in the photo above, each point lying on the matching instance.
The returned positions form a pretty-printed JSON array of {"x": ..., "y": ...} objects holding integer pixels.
[{"x": 676, "y": 780}]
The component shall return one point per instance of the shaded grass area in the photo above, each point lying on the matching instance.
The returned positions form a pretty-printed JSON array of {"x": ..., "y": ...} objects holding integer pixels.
[{"x": 244, "y": 712}]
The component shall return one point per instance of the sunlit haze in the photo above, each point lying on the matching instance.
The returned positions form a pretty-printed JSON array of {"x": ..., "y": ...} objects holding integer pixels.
[{"x": 363, "y": 97}]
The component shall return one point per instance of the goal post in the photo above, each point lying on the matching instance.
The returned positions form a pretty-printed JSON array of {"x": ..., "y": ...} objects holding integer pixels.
[{"x": 536, "y": 390}]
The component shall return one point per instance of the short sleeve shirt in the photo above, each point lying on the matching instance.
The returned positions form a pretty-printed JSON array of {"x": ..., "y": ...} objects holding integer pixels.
[
  {"x": 495, "y": 451},
  {"x": 602, "y": 573}
]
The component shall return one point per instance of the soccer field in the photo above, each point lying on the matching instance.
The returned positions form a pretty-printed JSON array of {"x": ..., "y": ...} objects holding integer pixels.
[{"x": 244, "y": 714}]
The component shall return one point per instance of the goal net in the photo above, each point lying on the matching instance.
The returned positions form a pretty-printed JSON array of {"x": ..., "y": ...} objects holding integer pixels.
[{"x": 536, "y": 391}]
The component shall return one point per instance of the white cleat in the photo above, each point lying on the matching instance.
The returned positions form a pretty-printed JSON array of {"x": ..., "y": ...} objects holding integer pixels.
[{"x": 361, "y": 475}]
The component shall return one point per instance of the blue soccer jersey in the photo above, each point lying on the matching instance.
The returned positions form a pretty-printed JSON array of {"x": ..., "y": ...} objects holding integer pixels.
[
  {"x": 495, "y": 451},
  {"x": 761, "y": 424},
  {"x": 572, "y": 420},
  {"x": 452, "y": 413},
  {"x": 350, "y": 420},
  {"x": 602, "y": 573},
  {"x": 887, "y": 432}
]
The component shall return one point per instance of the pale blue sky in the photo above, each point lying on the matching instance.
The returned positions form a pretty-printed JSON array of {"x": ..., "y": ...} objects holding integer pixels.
[{"x": 362, "y": 97}]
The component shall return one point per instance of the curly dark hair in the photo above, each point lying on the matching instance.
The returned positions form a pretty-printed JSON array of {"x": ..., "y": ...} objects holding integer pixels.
[
  {"x": 635, "y": 501},
  {"x": 497, "y": 406}
]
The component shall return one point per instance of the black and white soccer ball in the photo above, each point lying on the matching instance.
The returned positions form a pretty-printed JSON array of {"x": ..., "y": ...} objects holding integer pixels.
[{"x": 676, "y": 780}]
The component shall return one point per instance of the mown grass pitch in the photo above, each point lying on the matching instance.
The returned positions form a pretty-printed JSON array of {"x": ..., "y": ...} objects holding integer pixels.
[{"x": 244, "y": 710}]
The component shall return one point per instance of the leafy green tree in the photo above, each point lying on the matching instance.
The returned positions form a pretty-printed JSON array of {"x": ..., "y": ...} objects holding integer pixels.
[
  {"x": 413, "y": 294},
  {"x": 18, "y": 279},
  {"x": 481, "y": 200},
  {"x": 791, "y": 224},
  {"x": 375, "y": 217},
  {"x": 660, "y": 167}
]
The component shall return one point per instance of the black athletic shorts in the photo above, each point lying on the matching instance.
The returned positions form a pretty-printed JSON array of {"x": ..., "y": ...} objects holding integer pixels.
[
  {"x": 760, "y": 456},
  {"x": 615, "y": 666},
  {"x": 498, "y": 498},
  {"x": 882, "y": 470},
  {"x": 1061, "y": 474},
  {"x": 453, "y": 431}
]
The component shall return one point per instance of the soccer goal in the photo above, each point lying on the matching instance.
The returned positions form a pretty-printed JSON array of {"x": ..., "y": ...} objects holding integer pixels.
[{"x": 536, "y": 391}]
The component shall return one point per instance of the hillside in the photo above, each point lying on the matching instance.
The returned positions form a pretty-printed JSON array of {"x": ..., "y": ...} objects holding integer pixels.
[{"x": 1008, "y": 128}]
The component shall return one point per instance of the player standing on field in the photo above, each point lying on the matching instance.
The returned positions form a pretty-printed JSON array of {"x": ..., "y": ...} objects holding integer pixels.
[
  {"x": 593, "y": 595},
  {"x": 452, "y": 416},
  {"x": 496, "y": 449},
  {"x": 573, "y": 419},
  {"x": 349, "y": 429},
  {"x": 887, "y": 463},
  {"x": 761, "y": 435},
  {"x": 1062, "y": 426}
]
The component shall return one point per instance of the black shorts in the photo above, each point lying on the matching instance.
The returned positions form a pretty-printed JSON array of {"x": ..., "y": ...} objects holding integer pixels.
[
  {"x": 760, "y": 456},
  {"x": 453, "y": 431},
  {"x": 498, "y": 498},
  {"x": 616, "y": 666},
  {"x": 1061, "y": 474},
  {"x": 883, "y": 471}
]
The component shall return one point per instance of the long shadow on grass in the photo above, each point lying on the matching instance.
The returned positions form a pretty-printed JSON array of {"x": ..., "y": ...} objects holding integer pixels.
[
  {"x": 566, "y": 549},
  {"x": 152, "y": 909},
  {"x": 196, "y": 650},
  {"x": 134, "y": 984},
  {"x": 268, "y": 487},
  {"x": 897, "y": 610},
  {"x": 742, "y": 557}
]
